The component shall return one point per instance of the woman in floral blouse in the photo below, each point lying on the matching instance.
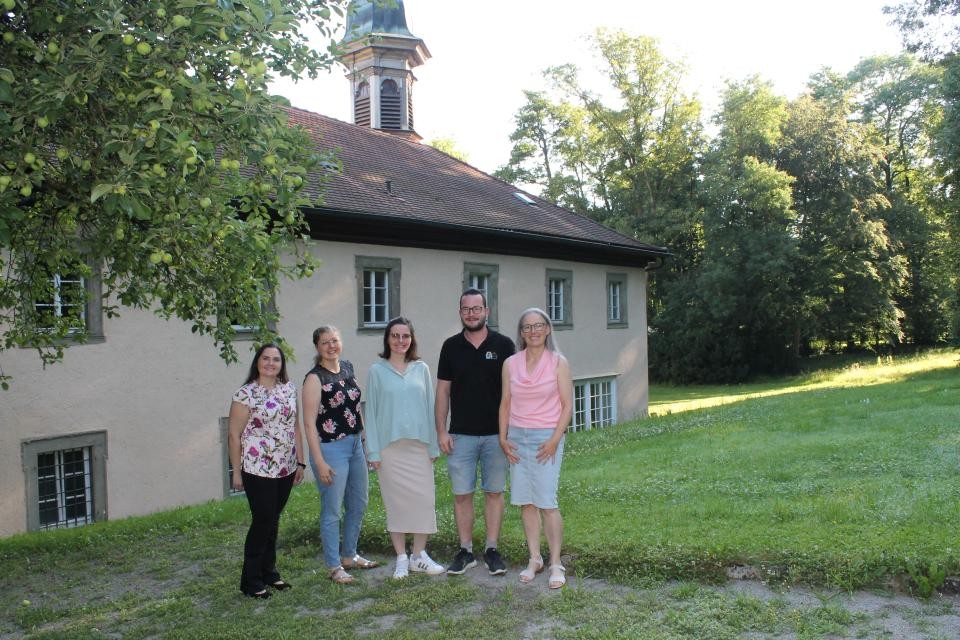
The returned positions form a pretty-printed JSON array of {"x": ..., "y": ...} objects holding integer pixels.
[
  {"x": 265, "y": 451},
  {"x": 334, "y": 427}
]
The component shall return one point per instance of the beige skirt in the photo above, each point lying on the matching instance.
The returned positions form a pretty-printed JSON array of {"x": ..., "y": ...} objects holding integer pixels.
[{"x": 407, "y": 487}]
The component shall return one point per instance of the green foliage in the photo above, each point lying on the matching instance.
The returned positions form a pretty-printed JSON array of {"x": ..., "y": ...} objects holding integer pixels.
[
  {"x": 449, "y": 147},
  {"x": 926, "y": 579},
  {"x": 140, "y": 147}
]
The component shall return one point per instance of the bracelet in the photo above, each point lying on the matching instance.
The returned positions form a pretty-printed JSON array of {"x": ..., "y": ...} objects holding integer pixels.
[{"x": 301, "y": 465}]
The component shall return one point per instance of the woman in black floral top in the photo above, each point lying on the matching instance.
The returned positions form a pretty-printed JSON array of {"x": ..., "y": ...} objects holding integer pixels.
[{"x": 334, "y": 428}]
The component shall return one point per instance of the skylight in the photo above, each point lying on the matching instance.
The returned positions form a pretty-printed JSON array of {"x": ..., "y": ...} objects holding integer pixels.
[{"x": 524, "y": 198}]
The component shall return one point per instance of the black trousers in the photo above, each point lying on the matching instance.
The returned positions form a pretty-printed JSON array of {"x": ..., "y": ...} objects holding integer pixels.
[{"x": 266, "y": 497}]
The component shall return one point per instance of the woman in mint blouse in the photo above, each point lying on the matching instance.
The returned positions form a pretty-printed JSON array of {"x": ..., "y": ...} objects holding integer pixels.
[{"x": 402, "y": 445}]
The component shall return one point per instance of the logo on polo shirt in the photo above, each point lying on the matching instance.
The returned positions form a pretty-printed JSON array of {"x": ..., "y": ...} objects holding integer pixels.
[{"x": 491, "y": 355}]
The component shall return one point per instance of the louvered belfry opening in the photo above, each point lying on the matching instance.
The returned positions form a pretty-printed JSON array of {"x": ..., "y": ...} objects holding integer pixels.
[
  {"x": 390, "y": 107},
  {"x": 409, "y": 107},
  {"x": 361, "y": 105}
]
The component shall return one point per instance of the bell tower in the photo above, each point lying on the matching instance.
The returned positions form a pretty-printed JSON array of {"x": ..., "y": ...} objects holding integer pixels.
[{"x": 380, "y": 54}]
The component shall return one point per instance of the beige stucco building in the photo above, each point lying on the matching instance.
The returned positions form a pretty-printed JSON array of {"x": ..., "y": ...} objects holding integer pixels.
[{"x": 134, "y": 421}]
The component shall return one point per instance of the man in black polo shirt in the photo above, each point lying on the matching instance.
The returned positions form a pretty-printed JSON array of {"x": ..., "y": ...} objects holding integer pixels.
[{"x": 468, "y": 387}]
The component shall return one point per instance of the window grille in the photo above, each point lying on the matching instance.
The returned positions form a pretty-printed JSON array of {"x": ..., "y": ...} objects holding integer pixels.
[{"x": 64, "y": 488}]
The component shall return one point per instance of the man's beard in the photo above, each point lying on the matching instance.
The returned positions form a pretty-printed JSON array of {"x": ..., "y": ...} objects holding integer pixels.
[{"x": 479, "y": 327}]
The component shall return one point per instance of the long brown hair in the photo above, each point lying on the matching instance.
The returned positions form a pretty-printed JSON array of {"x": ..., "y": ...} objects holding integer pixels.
[{"x": 411, "y": 353}]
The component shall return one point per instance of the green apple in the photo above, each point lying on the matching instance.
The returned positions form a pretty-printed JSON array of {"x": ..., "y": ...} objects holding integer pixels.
[
  {"x": 4, "y": 183},
  {"x": 62, "y": 153},
  {"x": 180, "y": 21},
  {"x": 118, "y": 233},
  {"x": 156, "y": 257},
  {"x": 144, "y": 48},
  {"x": 26, "y": 190},
  {"x": 161, "y": 13},
  {"x": 43, "y": 122},
  {"x": 29, "y": 157},
  {"x": 167, "y": 258},
  {"x": 128, "y": 39},
  {"x": 205, "y": 202},
  {"x": 9, "y": 5},
  {"x": 8, "y": 37},
  {"x": 53, "y": 48}
]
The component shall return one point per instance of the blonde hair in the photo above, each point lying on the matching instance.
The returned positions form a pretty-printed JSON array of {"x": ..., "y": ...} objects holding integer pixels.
[{"x": 318, "y": 333}]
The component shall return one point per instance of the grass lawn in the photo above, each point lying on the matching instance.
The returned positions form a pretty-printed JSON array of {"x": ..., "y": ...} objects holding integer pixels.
[{"x": 838, "y": 479}]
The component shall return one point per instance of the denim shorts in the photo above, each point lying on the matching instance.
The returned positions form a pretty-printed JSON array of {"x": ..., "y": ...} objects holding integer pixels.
[
  {"x": 530, "y": 481},
  {"x": 471, "y": 451}
]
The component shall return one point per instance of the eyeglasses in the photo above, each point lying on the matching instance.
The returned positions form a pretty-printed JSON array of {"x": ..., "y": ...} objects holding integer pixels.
[
  {"x": 536, "y": 326},
  {"x": 330, "y": 343},
  {"x": 401, "y": 337},
  {"x": 465, "y": 310}
]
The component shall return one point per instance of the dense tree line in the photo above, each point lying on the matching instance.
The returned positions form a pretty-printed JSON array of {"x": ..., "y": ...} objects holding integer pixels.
[{"x": 822, "y": 223}]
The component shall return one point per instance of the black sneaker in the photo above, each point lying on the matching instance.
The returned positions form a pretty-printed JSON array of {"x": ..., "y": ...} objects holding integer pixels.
[
  {"x": 494, "y": 562},
  {"x": 464, "y": 560}
]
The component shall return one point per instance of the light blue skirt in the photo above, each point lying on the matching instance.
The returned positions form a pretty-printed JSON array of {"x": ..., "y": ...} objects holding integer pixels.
[{"x": 530, "y": 481}]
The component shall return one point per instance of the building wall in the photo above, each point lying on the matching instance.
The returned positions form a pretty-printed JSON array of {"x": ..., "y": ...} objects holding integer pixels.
[{"x": 160, "y": 392}]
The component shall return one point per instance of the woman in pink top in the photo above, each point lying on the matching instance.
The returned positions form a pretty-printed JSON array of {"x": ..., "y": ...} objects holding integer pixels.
[{"x": 534, "y": 413}]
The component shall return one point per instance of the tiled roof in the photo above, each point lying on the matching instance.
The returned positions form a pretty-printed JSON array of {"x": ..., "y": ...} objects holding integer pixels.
[{"x": 429, "y": 186}]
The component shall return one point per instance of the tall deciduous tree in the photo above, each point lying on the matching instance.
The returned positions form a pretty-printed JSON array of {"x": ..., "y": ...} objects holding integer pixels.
[
  {"x": 140, "y": 146},
  {"x": 932, "y": 28},
  {"x": 847, "y": 269},
  {"x": 897, "y": 97}
]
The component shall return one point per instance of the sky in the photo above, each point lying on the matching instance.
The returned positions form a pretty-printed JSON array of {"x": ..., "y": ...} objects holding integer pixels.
[{"x": 486, "y": 52}]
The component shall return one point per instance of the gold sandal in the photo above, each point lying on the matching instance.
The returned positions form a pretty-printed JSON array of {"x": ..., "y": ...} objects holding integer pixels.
[
  {"x": 340, "y": 576},
  {"x": 359, "y": 562}
]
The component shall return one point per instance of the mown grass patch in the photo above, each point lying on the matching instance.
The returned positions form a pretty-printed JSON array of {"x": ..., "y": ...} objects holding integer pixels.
[{"x": 849, "y": 485}]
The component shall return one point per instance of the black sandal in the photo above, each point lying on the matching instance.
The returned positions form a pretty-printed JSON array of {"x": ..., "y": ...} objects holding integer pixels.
[
  {"x": 260, "y": 595},
  {"x": 280, "y": 585}
]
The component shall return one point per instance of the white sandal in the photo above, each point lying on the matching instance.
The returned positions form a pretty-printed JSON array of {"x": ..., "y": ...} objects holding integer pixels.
[
  {"x": 534, "y": 567},
  {"x": 558, "y": 576}
]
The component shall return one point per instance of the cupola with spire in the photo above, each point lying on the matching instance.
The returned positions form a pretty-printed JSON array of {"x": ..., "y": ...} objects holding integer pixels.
[{"x": 380, "y": 55}]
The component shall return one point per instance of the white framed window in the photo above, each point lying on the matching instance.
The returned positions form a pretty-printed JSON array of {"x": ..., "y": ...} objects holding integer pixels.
[
  {"x": 378, "y": 294},
  {"x": 66, "y": 298},
  {"x": 617, "y": 300},
  {"x": 71, "y": 300},
  {"x": 480, "y": 282},
  {"x": 594, "y": 403},
  {"x": 485, "y": 278},
  {"x": 65, "y": 481},
  {"x": 560, "y": 297},
  {"x": 244, "y": 331}
]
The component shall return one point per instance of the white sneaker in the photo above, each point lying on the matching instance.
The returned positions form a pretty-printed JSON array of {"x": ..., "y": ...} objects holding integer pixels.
[
  {"x": 425, "y": 564},
  {"x": 402, "y": 569}
]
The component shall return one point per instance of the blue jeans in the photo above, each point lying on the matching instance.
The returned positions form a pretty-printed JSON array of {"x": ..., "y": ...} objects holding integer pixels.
[{"x": 346, "y": 495}]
